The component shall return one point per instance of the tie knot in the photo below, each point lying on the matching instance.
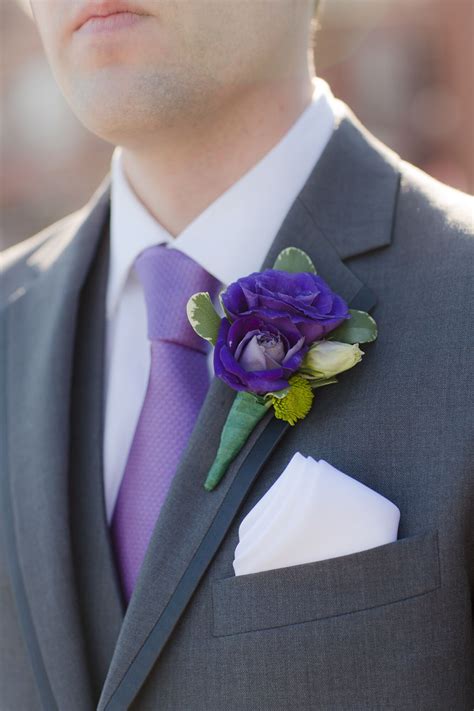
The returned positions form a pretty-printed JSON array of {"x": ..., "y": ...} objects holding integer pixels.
[{"x": 169, "y": 278}]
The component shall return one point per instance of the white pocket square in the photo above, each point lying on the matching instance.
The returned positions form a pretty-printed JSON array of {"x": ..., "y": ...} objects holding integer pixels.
[{"x": 313, "y": 512}]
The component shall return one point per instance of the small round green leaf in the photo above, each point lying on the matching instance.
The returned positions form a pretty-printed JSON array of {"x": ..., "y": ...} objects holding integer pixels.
[
  {"x": 294, "y": 260},
  {"x": 360, "y": 328},
  {"x": 203, "y": 317}
]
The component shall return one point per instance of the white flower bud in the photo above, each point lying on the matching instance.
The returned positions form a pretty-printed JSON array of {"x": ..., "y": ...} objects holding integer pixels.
[{"x": 325, "y": 359}]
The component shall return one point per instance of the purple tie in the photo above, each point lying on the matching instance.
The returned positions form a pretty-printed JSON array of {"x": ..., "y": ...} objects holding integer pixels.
[{"x": 177, "y": 385}]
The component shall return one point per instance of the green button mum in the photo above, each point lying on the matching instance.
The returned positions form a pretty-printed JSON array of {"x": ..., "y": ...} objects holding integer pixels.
[{"x": 297, "y": 402}]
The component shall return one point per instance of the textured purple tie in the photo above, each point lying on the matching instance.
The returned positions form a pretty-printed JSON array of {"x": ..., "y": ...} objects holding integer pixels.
[{"x": 177, "y": 385}]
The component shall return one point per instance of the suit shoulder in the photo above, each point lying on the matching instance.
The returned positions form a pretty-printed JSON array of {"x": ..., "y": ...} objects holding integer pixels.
[
  {"x": 19, "y": 262},
  {"x": 437, "y": 215},
  {"x": 20, "y": 253}
]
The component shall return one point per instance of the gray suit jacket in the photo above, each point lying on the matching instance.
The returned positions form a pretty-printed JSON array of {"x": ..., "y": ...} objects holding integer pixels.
[{"x": 385, "y": 628}]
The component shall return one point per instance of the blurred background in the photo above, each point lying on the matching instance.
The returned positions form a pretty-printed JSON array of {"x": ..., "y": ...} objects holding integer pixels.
[{"x": 405, "y": 67}]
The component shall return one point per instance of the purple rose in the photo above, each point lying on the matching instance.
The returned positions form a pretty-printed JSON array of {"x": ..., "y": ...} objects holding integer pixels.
[
  {"x": 276, "y": 296},
  {"x": 256, "y": 355}
]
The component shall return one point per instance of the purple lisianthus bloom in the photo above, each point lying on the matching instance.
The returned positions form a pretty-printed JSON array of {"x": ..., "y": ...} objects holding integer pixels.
[
  {"x": 255, "y": 355},
  {"x": 276, "y": 296}
]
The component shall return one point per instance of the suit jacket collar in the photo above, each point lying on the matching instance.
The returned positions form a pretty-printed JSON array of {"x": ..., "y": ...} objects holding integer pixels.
[{"x": 345, "y": 209}]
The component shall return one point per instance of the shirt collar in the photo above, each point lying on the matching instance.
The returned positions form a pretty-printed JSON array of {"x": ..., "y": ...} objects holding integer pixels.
[{"x": 232, "y": 236}]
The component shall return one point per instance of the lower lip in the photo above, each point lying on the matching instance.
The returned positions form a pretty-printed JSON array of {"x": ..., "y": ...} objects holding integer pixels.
[{"x": 108, "y": 23}]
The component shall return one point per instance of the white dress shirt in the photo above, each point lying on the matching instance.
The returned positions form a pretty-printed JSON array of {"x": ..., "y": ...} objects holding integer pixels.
[{"x": 230, "y": 239}]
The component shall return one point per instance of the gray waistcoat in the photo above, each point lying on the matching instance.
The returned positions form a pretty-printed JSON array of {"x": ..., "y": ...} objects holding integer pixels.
[{"x": 98, "y": 588}]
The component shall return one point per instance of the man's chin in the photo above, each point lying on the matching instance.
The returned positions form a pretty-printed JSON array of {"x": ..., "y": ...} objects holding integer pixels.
[{"x": 120, "y": 104}]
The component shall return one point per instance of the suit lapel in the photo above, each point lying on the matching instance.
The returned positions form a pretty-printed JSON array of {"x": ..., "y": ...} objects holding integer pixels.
[
  {"x": 40, "y": 328},
  {"x": 345, "y": 208}
]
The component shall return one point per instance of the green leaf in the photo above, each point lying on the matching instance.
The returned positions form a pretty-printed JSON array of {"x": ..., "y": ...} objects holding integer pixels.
[
  {"x": 294, "y": 260},
  {"x": 244, "y": 415},
  {"x": 360, "y": 328},
  {"x": 203, "y": 317}
]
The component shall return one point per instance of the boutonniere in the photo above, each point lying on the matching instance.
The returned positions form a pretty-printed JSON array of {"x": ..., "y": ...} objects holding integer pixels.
[{"x": 284, "y": 334}]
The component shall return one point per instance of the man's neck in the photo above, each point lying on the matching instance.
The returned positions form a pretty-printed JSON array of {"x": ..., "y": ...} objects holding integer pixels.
[{"x": 183, "y": 170}]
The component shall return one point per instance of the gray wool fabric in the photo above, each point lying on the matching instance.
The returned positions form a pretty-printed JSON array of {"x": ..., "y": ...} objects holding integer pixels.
[{"x": 386, "y": 628}]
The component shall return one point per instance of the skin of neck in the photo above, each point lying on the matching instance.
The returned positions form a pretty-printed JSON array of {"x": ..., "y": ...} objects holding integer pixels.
[{"x": 181, "y": 169}]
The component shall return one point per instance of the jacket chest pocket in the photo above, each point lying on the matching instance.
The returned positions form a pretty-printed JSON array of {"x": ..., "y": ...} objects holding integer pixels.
[{"x": 313, "y": 591}]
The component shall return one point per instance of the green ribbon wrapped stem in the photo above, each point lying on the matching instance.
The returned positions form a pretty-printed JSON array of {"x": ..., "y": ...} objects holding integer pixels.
[{"x": 245, "y": 413}]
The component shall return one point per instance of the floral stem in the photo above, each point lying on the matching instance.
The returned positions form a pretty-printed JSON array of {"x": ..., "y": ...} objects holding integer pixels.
[{"x": 244, "y": 415}]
